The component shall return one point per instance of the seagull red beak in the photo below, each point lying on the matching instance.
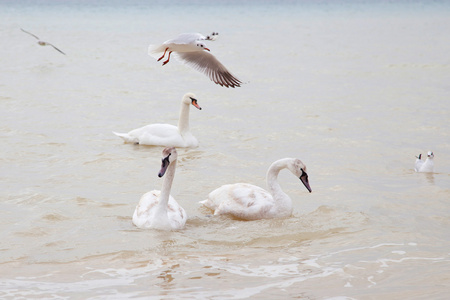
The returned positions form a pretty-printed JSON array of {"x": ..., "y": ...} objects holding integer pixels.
[{"x": 206, "y": 49}]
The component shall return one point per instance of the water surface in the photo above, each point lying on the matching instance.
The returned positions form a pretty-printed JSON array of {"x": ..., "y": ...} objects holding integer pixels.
[{"x": 354, "y": 89}]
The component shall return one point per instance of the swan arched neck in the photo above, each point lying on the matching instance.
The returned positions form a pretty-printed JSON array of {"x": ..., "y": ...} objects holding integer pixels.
[
  {"x": 183, "y": 121},
  {"x": 271, "y": 179}
]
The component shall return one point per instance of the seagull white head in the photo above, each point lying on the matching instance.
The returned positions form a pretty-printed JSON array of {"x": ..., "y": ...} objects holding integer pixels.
[
  {"x": 202, "y": 46},
  {"x": 430, "y": 154}
]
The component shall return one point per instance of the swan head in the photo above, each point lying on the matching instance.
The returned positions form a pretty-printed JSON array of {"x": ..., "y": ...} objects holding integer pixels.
[
  {"x": 298, "y": 168},
  {"x": 430, "y": 154},
  {"x": 169, "y": 156},
  {"x": 189, "y": 98}
]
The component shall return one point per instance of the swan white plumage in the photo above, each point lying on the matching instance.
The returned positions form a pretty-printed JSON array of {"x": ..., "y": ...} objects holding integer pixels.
[
  {"x": 425, "y": 166},
  {"x": 158, "y": 209},
  {"x": 166, "y": 134},
  {"x": 249, "y": 202}
]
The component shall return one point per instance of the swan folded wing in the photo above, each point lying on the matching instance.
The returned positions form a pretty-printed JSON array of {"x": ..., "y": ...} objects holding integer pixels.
[
  {"x": 245, "y": 201},
  {"x": 147, "y": 213},
  {"x": 209, "y": 65},
  {"x": 158, "y": 134},
  {"x": 145, "y": 209},
  {"x": 177, "y": 215},
  {"x": 216, "y": 197},
  {"x": 159, "y": 130}
]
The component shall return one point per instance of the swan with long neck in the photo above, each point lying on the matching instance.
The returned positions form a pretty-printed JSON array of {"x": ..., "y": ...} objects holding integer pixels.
[
  {"x": 158, "y": 209},
  {"x": 249, "y": 202},
  {"x": 166, "y": 134}
]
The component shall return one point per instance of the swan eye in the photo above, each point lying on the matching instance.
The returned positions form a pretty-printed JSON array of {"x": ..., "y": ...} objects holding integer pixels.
[
  {"x": 304, "y": 176},
  {"x": 303, "y": 172},
  {"x": 166, "y": 160}
]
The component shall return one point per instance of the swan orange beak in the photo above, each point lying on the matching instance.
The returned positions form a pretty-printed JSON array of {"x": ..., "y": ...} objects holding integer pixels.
[
  {"x": 304, "y": 179},
  {"x": 194, "y": 103}
]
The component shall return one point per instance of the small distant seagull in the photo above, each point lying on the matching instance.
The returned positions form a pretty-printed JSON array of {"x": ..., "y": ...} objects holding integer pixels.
[
  {"x": 190, "y": 49},
  {"x": 424, "y": 166},
  {"x": 42, "y": 43}
]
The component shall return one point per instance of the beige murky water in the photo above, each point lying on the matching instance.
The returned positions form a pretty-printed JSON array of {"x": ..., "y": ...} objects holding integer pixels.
[{"x": 354, "y": 91}]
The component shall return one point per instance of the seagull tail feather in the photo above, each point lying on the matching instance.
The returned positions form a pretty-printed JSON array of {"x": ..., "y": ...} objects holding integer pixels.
[{"x": 156, "y": 50}]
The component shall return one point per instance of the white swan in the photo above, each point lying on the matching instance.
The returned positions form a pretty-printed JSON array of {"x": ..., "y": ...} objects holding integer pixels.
[
  {"x": 166, "y": 134},
  {"x": 424, "y": 166},
  {"x": 158, "y": 209},
  {"x": 249, "y": 202}
]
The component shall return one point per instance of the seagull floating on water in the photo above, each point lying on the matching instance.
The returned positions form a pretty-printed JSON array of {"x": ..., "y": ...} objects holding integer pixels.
[
  {"x": 42, "y": 43},
  {"x": 424, "y": 166},
  {"x": 190, "y": 48}
]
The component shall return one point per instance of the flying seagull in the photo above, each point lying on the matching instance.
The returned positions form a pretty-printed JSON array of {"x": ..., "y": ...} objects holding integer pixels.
[
  {"x": 42, "y": 43},
  {"x": 191, "y": 50}
]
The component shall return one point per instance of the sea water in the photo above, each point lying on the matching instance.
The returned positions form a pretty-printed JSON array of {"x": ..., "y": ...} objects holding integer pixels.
[{"x": 355, "y": 89}]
